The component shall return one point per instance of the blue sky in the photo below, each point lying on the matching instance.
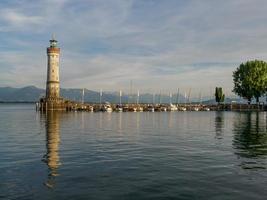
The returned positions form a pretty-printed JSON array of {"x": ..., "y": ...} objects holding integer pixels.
[{"x": 158, "y": 44}]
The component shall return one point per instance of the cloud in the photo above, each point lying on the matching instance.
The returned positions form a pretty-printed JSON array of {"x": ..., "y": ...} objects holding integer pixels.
[
  {"x": 156, "y": 44},
  {"x": 15, "y": 18}
]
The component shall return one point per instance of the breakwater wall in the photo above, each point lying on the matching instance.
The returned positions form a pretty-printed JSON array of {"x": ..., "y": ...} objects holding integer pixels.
[{"x": 97, "y": 107}]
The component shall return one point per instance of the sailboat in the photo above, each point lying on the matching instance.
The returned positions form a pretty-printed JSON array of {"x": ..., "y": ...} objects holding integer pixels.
[
  {"x": 150, "y": 108},
  {"x": 163, "y": 109},
  {"x": 207, "y": 109},
  {"x": 100, "y": 100},
  {"x": 119, "y": 106},
  {"x": 183, "y": 108},
  {"x": 172, "y": 107},
  {"x": 83, "y": 96},
  {"x": 197, "y": 107},
  {"x": 107, "y": 107},
  {"x": 134, "y": 107}
]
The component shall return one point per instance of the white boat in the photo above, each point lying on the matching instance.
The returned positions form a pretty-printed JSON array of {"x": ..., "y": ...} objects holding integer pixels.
[
  {"x": 207, "y": 109},
  {"x": 164, "y": 109},
  {"x": 150, "y": 109},
  {"x": 91, "y": 109},
  {"x": 140, "y": 109},
  {"x": 107, "y": 108},
  {"x": 196, "y": 109},
  {"x": 172, "y": 107},
  {"x": 119, "y": 108},
  {"x": 132, "y": 109},
  {"x": 183, "y": 108}
]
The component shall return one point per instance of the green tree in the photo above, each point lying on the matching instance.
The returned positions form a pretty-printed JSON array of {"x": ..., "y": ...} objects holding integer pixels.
[
  {"x": 219, "y": 96},
  {"x": 250, "y": 79}
]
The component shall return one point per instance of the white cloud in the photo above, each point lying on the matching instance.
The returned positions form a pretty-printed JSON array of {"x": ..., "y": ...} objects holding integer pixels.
[
  {"x": 105, "y": 44},
  {"x": 15, "y": 18}
]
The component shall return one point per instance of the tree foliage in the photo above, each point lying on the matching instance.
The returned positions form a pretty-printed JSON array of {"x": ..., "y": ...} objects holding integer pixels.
[
  {"x": 250, "y": 79},
  {"x": 219, "y": 96}
]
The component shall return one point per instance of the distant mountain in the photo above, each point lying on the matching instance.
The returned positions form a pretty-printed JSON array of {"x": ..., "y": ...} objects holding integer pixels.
[
  {"x": 33, "y": 94},
  {"x": 25, "y": 94}
]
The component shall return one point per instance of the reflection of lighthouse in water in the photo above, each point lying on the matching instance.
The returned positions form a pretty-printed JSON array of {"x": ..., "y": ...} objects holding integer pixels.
[{"x": 52, "y": 145}]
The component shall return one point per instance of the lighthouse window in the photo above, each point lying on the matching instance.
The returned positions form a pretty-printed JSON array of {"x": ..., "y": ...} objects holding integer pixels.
[{"x": 52, "y": 70}]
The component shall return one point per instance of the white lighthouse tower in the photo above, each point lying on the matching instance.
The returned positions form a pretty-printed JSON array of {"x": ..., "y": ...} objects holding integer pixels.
[
  {"x": 52, "y": 99},
  {"x": 52, "y": 83}
]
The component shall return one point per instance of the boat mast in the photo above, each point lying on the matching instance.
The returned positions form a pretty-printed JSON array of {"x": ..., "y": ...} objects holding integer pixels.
[
  {"x": 177, "y": 97},
  {"x": 200, "y": 98},
  {"x": 211, "y": 96},
  {"x": 160, "y": 97},
  {"x": 170, "y": 98},
  {"x": 185, "y": 98},
  {"x": 120, "y": 94},
  {"x": 83, "y": 96},
  {"x": 100, "y": 96},
  {"x": 137, "y": 100},
  {"x": 189, "y": 97},
  {"x": 131, "y": 91}
]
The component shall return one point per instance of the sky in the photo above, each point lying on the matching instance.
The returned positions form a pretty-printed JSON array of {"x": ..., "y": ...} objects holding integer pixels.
[{"x": 156, "y": 44}]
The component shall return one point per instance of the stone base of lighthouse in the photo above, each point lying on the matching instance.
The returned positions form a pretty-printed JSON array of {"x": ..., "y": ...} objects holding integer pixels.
[{"x": 52, "y": 103}]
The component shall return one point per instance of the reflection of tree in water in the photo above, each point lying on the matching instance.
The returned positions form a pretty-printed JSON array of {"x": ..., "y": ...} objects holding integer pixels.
[
  {"x": 51, "y": 158},
  {"x": 250, "y": 137},
  {"x": 219, "y": 124}
]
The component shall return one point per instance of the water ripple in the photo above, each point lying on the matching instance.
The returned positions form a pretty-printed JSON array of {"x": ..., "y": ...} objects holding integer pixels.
[{"x": 191, "y": 155}]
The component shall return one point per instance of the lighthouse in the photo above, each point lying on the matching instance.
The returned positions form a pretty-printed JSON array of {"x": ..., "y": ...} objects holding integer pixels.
[
  {"x": 52, "y": 100},
  {"x": 52, "y": 83}
]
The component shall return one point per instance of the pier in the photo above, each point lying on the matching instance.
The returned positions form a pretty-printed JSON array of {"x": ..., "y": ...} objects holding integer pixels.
[{"x": 66, "y": 105}]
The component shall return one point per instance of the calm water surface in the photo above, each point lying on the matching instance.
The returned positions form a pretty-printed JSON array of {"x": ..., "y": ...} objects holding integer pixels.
[{"x": 178, "y": 155}]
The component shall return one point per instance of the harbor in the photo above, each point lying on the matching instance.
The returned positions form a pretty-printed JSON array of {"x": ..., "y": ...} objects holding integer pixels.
[
  {"x": 125, "y": 100},
  {"x": 52, "y": 101},
  {"x": 145, "y": 107}
]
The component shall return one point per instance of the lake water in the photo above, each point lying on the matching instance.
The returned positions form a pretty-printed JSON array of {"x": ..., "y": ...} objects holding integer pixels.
[{"x": 172, "y": 155}]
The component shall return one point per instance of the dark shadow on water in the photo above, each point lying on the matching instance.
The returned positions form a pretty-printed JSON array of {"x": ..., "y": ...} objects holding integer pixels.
[
  {"x": 219, "y": 124},
  {"x": 51, "y": 158},
  {"x": 250, "y": 138}
]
